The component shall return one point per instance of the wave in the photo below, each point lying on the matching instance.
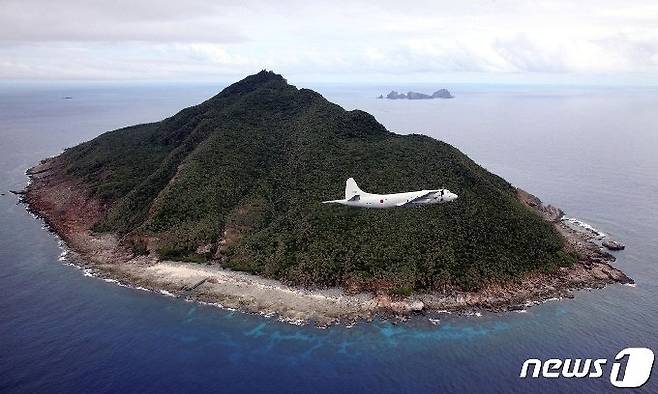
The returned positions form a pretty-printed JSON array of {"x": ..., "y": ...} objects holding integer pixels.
[
  {"x": 63, "y": 254},
  {"x": 167, "y": 293},
  {"x": 293, "y": 321},
  {"x": 579, "y": 223},
  {"x": 473, "y": 313},
  {"x": 65, "y": 257},
  {"x": 215, "y": 304}
]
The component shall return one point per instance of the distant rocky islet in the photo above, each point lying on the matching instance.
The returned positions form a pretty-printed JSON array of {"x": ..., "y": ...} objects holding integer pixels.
[{"x": 441, "y": 93}]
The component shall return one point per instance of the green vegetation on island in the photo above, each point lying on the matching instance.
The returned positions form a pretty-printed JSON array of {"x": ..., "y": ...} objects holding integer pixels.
[{"x": 239, "y": 178}]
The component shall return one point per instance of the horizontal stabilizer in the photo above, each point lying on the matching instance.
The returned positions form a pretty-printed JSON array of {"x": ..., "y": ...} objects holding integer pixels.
[{"x": 334, "y": 202}]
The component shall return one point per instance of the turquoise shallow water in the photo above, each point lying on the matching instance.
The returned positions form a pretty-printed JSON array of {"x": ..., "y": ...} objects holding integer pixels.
[{"x": 593, "y": 152}]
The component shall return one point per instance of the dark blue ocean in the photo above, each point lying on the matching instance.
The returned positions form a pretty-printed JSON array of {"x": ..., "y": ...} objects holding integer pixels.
[{"x": 592, "y": 151}]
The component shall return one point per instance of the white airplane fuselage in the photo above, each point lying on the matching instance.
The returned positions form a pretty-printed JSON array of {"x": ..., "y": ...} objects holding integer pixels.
[{"x": 355, "y": 197}]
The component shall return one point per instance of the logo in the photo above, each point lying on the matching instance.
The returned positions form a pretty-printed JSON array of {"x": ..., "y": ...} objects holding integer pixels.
[{"x": 631, "y": 367}]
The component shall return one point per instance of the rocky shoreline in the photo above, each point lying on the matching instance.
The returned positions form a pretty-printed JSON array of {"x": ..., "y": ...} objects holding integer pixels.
[{"x": 70, "y": 212}]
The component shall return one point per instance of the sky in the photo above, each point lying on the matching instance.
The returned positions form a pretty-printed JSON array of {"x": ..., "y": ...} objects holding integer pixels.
[{"x": 497, "y": 41}]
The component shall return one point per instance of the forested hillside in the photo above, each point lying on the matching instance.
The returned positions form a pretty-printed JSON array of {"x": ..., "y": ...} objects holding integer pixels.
[{"x": 239, "y": 179}]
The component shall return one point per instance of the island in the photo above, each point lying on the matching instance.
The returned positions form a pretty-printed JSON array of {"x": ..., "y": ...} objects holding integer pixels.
[
  {"x": 441, "y": 93},
  {"x": 221, "y": 204}
]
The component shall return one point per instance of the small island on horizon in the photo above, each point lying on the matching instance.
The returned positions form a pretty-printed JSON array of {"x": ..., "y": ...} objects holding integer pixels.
[
  {"x": 220, "y": 203},
  {"x": 441, "y": 93}
]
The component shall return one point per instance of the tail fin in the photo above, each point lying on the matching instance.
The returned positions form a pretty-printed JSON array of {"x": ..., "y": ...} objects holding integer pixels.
[{"x": 351, "y": 189}]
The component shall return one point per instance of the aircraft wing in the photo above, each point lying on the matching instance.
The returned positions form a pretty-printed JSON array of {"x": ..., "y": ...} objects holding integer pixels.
[{"x": 418, "y": 197}]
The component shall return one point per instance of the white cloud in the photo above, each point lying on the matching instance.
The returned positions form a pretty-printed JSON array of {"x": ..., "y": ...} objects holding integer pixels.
[{"x": 325, "y": 40}]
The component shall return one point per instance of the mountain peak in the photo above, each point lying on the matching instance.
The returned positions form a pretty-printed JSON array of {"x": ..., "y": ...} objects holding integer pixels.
[
  {"x": 255, "y": 81},
  {"x": 263, "y": 76}
]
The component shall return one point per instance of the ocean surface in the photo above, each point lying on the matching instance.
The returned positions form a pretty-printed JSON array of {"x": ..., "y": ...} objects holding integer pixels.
[{"x": 592, "y": 151}]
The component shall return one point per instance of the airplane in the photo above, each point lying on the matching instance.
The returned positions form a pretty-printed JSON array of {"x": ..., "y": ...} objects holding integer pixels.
[{"x": 355, "y": 197}]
